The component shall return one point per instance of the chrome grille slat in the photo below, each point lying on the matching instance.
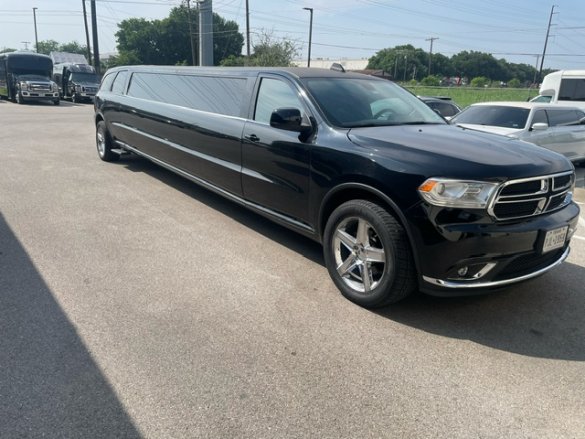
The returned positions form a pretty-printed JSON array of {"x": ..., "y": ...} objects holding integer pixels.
[{"x": 532, "y": 196}]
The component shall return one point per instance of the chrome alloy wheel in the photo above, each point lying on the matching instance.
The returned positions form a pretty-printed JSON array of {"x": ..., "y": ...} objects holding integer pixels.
[
  {"x": 101, "y": 142},
  {"x": 360, "y": 257}
]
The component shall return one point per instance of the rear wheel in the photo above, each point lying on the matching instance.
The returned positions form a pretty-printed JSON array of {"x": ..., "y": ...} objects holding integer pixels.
[
  {"x": 104, "y": 143},
  {"x": 368, "y": 255}
]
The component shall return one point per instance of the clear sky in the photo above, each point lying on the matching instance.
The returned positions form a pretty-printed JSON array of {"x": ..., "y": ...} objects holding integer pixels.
[{"x": 511, "y": 29}]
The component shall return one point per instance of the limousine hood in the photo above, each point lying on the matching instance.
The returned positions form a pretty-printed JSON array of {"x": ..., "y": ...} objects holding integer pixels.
[{"x": 451, "y": 151}]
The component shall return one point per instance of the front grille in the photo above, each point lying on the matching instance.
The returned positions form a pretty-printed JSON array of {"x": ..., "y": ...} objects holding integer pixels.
[
  {"x": 40, "y": 87},
  {"x": 532, "y": 196},
  {"x": 529, "y": 263}
]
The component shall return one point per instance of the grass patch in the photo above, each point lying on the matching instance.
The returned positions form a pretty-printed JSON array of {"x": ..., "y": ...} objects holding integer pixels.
[{"x": 464, "y": 96}]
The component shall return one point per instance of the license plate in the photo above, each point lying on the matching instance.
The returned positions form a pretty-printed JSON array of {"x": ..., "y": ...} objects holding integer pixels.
[{"x": 554, "y": 239}]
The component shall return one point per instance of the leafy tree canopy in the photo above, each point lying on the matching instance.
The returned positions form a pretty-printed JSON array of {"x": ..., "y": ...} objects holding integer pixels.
[
  {"x": 267, "y": 51},
  {"x": 166, "y": 41},
  {"x": 407, "y": 62},
  {"x": 47, "y": 46}
]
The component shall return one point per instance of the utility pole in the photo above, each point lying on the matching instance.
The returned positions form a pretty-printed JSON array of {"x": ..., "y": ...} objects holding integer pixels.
[
  {"x": 36, "y": 36},
  {"x": 94, "y": 32},
  {"x": 310, "y": 35},
  {"x": 205, "y": 33},
  {"x": 552, "y": 12},
  {"x": 405, "y": 65},
  {"x": 247, "y": 32},
  {"x": 86, "y": 32},
  {"x": 431, "y": 51},
  {"x": 193, "y": 55}
]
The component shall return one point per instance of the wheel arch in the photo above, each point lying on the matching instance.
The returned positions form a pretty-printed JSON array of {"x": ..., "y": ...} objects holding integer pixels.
[{"x": 354, "y": 191}]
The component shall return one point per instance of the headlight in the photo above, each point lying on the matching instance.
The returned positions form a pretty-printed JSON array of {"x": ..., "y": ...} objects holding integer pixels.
[
  {"x": 78, "y": 88},
  {"x": 24, "y": 86},
  {"x": 55, "y": 87},
  {"x": 457, "y": 193}
]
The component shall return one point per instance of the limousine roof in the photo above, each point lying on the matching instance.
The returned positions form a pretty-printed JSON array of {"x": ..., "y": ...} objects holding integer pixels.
[{"x": 298, "y": 72}]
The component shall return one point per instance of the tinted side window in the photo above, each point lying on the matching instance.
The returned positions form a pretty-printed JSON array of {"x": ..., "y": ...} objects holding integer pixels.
[
  {"x": 447, "y": 110},
  {"x": 206, "y": 93},
  {"x": 572, "y": 90},
  {"x": 119, "y": 82},
  {"x": 563, "y": 117},
  {"x": 107, "y": 82},
  {"x": 274, "y": 94},
  {"x": 539, "y": 117}
]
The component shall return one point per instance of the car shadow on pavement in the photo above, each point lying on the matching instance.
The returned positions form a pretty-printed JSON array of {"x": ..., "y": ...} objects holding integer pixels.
[
  {"x": 298, "y": 243},
  {"x": 49, "y": 386},
  {"x": 540, "y": 318}
]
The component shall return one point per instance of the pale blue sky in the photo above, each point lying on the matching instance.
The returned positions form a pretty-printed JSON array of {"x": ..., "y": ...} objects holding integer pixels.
[{"x": 512, "y": 29}]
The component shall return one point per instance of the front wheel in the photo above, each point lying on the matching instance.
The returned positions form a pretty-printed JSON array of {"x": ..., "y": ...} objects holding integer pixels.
[
  {"x": 56, "y": 102},
  {"x": 368, "y": 255},
  {"x": 104, "y": 143},
  {"x": 19, "y": 99}
]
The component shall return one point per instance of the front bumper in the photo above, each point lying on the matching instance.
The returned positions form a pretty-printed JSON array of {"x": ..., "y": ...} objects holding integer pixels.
[
  {"x": 40, "y": 95},
  {"x": 461, "y": 259}
]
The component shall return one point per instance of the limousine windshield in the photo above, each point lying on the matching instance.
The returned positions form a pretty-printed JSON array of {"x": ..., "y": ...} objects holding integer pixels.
[{"x": 351, "y": 103}]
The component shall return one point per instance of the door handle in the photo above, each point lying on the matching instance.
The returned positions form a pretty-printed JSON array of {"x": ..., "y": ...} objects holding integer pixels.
[{"x": 252, "y": 138}]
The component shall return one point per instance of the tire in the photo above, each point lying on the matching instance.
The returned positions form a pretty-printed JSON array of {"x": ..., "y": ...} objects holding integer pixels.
[
  {"x": 368, "y": 255},
  {"x": 104, "y": 143},
  {"x": 74, "y": 98},
  {"x": 19, "y": 99},
  {"x": 57, "y": 102}
]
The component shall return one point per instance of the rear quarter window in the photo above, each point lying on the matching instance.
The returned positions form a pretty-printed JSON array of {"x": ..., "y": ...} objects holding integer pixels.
[
  {"x": 220, "y": 95},
  {"x": 107, "y": 82},
  {"x": 564, "y": 117},
  {"x": 119, "y": 82}
]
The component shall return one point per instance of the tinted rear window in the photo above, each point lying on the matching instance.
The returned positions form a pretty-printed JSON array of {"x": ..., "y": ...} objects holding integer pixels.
[
  {"x": 494, "y": 115},
  {"x": 564, "y": 117},
  {"x": 572, "y": 90},
  {"x": 206, "y": 93}
]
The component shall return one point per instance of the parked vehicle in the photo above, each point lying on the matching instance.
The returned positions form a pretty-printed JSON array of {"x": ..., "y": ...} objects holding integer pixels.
[
  {"x": 78, "y": 82},
  {"x": 26, "y": 76},
  {"x": 400, "y": 200},
  {"x": 444, "y": 106},
  {"x": 556, "y": 127},
  {"x": 565, "y": 86},
  {"x": 541, "y": 99}
]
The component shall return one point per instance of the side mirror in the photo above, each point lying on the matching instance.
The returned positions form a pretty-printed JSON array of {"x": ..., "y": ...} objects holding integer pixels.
[
  {"x": 290, "y": 119},
  {"x": 539, "y": 126}
]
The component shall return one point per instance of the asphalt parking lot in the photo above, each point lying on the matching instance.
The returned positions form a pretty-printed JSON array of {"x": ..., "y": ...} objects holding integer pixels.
[{"x": 135, "y": 304}]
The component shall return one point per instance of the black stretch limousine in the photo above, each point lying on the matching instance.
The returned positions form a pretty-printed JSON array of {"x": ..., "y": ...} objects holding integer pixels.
[{"x": 400, "y": 200}]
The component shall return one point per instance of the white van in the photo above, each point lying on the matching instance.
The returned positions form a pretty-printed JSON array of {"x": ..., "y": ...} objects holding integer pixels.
[{"x": 565, "y": 87}]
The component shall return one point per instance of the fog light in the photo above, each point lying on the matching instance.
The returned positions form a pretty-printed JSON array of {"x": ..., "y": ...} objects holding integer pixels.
[{"x": 462, "y": 271}]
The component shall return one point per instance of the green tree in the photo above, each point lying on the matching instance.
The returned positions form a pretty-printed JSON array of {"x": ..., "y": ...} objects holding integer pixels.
[
  {"x": 166, "y": 41},
  {"x": 480, "y": 81},
  {"x": 402, "y": 62},
  {"x": 48, "y": 46},
  {"x": 514, "y": 83},
  {"x": 472, "y": 64},
  {"x": 6, "y": 50},
  {"x": 431, "y": 81},
  {"x": 267, "y": 51}
]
